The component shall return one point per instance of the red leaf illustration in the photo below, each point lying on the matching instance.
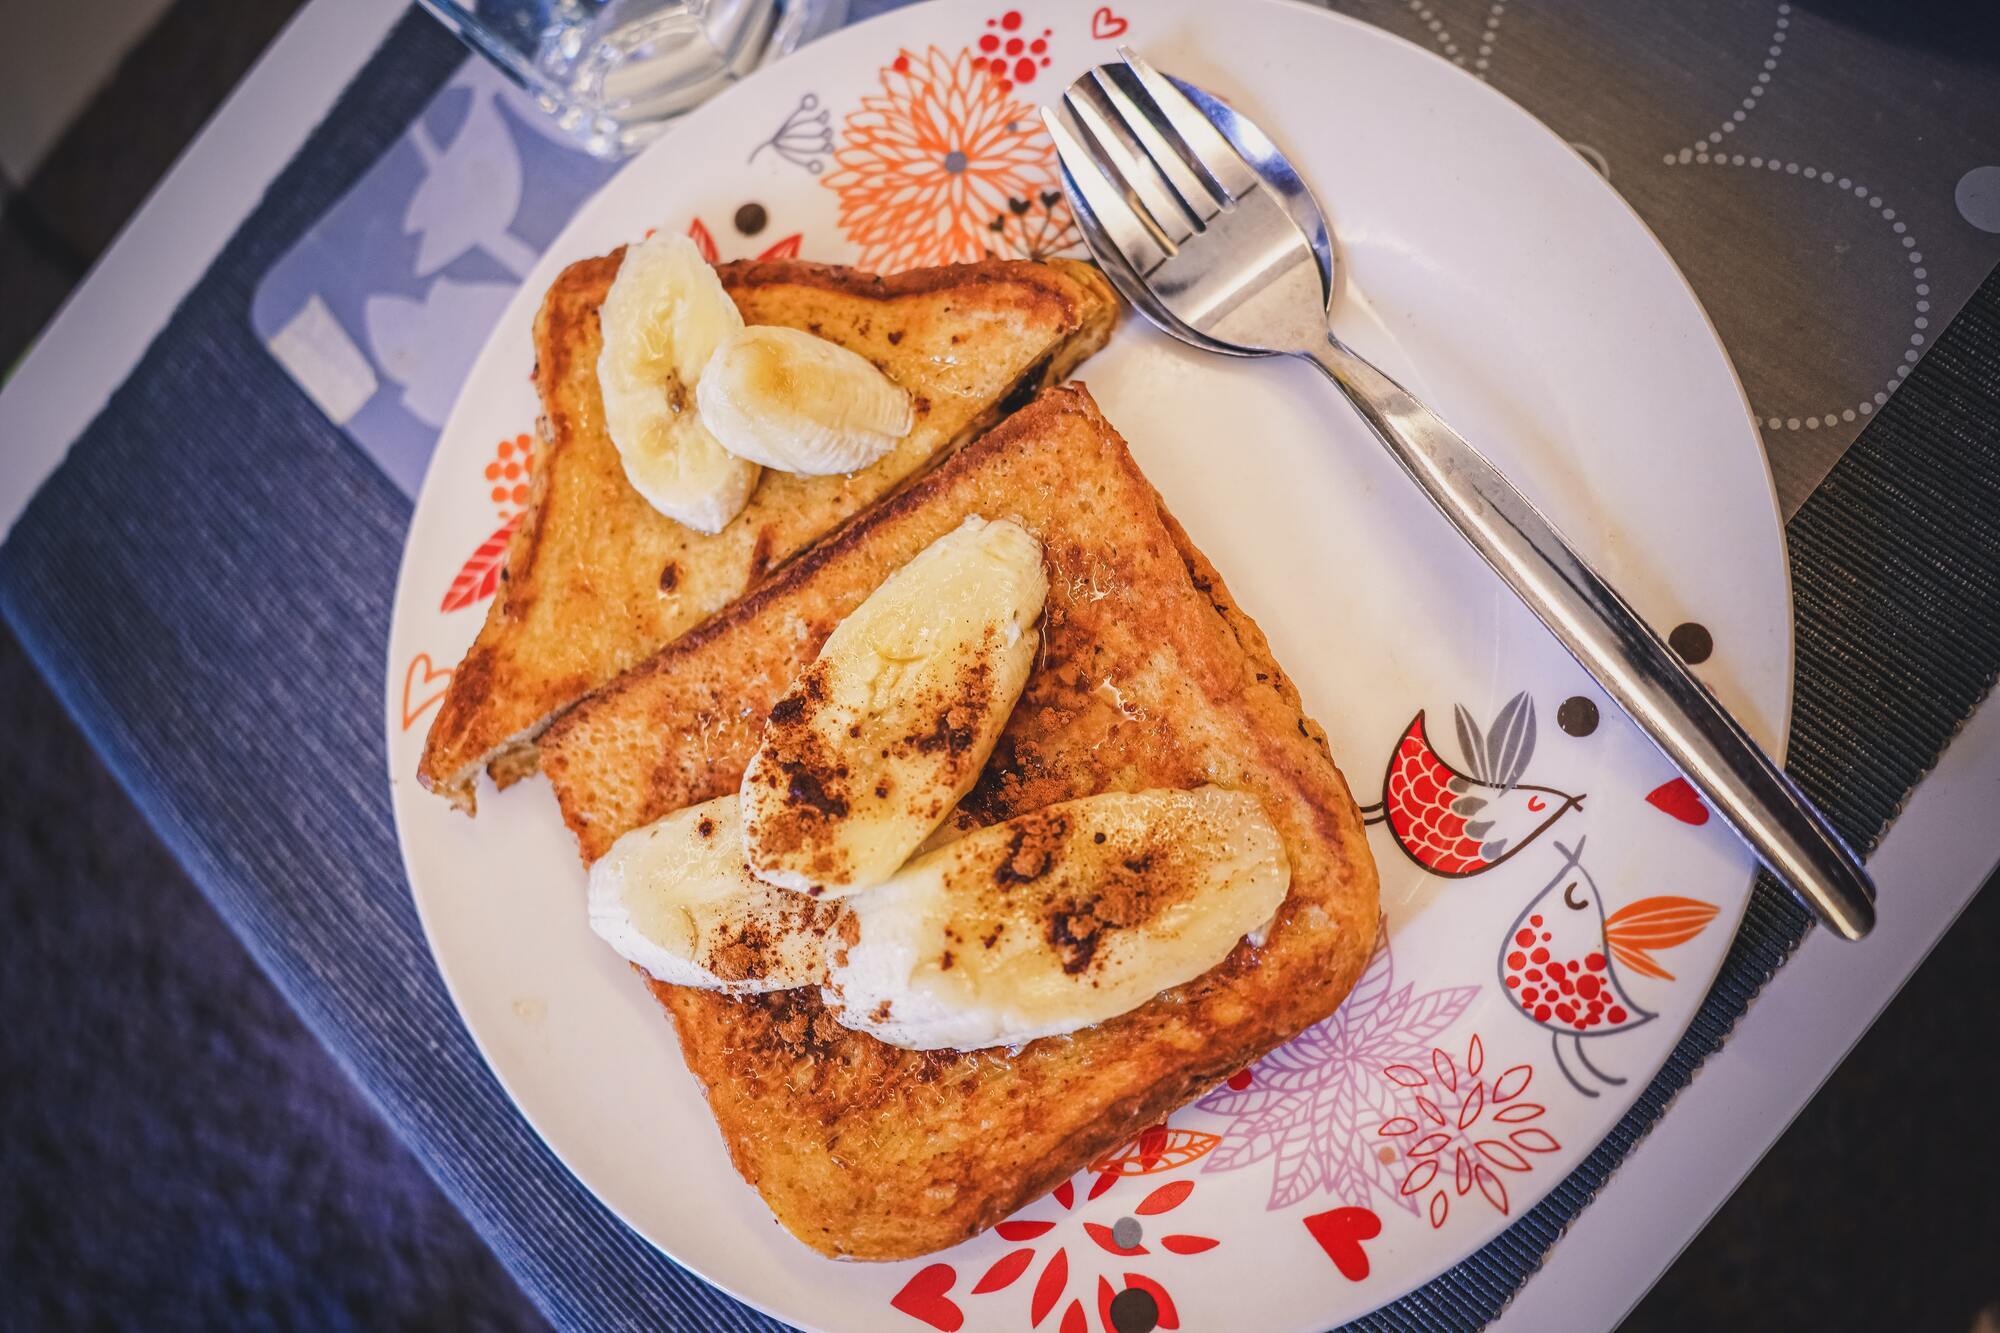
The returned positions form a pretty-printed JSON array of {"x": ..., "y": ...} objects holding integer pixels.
[
  {"x": 1048, "y": 1287},
  {"x": 1500, "y": 1154},
  {"x": 1105, "y": 1180},
  {"x": 1490, "y": 1186},
  {"x": 480, "y": 575},
  {"x": 1164, "y": 1198},
  {"x": 1004, "y": 1270},
  {"x": 785, "y": 249},
  {"x": 1440, "y": 1209},
  {"x": 1679, "y": 799},
  {"x": 1188, "y": 1244},
  {"x": 1430, "y": 1109},
  {"x": 1462, "y": 1171},
  {"x": 1402, "y": 1124},
  {"x": 1100, "y": 1233},
  {"x": 1170, "y": 1318},
  {"x": 1429, "y": 1144},
  {"x": 1074, "y": 1320},
  {"x": 923, "y": 1297},
  {"x": 1475, "y": 1057},
  {"x": 1422, "y": 1174},
  {"x": 1064, "y": 1194},
  {"x": 1023, "y": 1230},
  {"x": 1534, "y": 1140},
  {"x": 1447, "y": 1072},
  {"x": 703, "y": 241},
  {"x": 1405, "y": 1075},
  {"x": 1507, "y": 1087},
  {"x": 1474, "y": 1104}
]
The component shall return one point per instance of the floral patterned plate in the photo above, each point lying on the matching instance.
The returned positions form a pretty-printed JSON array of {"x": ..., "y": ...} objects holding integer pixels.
[{"x": 1556, "y": 900}]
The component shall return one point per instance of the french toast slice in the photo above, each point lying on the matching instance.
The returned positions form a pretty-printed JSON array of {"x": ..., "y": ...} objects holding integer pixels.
[
  {"x": 1151, "y": 677},
  {"x": 596, "y": 579}
]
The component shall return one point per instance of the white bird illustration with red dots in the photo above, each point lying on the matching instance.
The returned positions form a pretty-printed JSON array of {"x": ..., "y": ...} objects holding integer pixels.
[{"x": 1560, "y": 963}]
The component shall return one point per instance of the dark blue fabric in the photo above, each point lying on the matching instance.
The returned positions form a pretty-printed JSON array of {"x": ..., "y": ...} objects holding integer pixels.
[{"x": 207, "y": 582}]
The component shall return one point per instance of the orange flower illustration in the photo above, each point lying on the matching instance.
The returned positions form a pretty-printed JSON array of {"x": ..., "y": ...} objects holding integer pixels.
[{"x": 928, "y": 172}]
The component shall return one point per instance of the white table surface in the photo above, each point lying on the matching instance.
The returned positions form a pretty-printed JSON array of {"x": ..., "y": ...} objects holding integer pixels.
[{"x": 1935, "y": 858}]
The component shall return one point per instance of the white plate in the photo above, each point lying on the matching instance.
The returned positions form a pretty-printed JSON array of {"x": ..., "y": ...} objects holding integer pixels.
[{"x": 1497, "y": 273}]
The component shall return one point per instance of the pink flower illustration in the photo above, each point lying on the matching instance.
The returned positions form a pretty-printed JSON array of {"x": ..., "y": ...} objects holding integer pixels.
[{"x": 1308, "y": 1106}]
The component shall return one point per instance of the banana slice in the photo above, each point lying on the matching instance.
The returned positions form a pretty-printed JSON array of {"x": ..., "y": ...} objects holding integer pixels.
[
  {"x": 1058, "y": 919},
  {"x": 789, "y": 400},
  {"x": 890, "y": 725},
  {"x": 674, "y": 897},
  {"x": 662, "y": 320}
]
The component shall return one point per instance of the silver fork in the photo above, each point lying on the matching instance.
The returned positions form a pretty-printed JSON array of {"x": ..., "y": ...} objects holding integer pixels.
[{"x": 1207, "y": 229}]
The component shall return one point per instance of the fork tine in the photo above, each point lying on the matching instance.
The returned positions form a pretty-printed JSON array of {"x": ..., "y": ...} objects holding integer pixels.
[
  {"x": 1189, "y": 132},
  {"x": 1131, "y": 234},
  {"x": 1149, "y": 171},
  {"x": 1121, "y": 166},
  {"x": 1123, "y": 95}
]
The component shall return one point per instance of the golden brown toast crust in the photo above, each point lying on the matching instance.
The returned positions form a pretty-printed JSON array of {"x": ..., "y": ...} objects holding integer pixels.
[
  {"x": 596, "y": 579},
  {"x": 1152, "y": 677}
]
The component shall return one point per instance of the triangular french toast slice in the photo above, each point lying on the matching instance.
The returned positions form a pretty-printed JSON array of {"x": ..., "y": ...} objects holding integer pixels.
[
  {"x": 596, "y": 579},
  {"x": 1151, "y": 676}
]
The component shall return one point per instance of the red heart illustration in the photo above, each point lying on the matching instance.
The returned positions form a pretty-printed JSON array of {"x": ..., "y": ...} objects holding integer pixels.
[
  {"x": 1105, "y": 25},
  {"x": 923, "y": 1297},
  {"x": 1679, "y": 799},
  {"x": 421, "y": 662},
  {"x": 1340, "y": 1234}
]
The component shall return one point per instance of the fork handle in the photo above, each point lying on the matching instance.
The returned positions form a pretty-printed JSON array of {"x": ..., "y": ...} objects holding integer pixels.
[{"x": 1615, "y": 645}]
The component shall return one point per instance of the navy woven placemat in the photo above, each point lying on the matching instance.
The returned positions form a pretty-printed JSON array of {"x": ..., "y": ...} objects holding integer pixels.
[{"x": 207, "y": 582}]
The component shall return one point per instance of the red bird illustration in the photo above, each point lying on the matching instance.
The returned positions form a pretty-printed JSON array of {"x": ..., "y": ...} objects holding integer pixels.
[
  {"x": 1455, "y": 823},
  {"x": 1560, "y": 961}
]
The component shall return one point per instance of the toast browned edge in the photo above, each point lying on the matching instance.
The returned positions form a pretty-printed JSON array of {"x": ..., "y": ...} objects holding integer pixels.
[
  {"x": 454, "y": 751},
  {"x": 747, "y": 1052}
]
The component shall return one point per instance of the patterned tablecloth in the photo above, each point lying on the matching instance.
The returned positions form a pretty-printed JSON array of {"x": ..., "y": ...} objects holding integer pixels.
[
  {"x": 224, "y": 652},
  {"x": 1830, "y": 228}
]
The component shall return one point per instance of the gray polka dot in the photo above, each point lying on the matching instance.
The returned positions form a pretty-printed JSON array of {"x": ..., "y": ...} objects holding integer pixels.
[
  {"x": 955, "y": 162},
  {"x": 1126, "y": 1232},
  {"x": 1978, "y": 198},
  {"x": 1848, "y": 415}
]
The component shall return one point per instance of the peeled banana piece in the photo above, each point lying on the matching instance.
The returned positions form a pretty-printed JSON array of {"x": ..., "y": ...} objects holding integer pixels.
[
  {"x": 884, "y": 732},
  {"x": 799, "y": 403},
  {"x": 674, "y": 898},
  {"x": 662, "y": 320},
  {"x": 1057, "y": 919}
]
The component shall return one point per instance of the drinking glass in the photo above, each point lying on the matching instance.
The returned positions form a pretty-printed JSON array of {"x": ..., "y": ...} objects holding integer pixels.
[{"x": 613, "y": 72}]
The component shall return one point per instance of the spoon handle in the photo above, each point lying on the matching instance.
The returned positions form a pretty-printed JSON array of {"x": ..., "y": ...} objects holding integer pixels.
[{"x": 1615, "y": 645}]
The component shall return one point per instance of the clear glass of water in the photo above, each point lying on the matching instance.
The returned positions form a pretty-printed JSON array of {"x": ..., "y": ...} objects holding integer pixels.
[{"x": 613, "y": 72}]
